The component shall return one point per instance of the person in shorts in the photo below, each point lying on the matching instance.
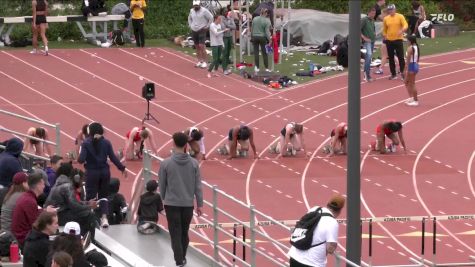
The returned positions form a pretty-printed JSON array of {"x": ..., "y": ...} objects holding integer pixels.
[
  {"x": 39, "y": 25},
  {"x": 412, "y": 57},
  {"x": 240, "y": 135},
  {"x": 338, "y": 141},
  {"x": 391, "y": 129},
  {"x": 199, "y": 21}
]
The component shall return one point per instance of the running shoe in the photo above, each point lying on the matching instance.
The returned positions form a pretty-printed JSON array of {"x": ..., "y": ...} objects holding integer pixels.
[
  {"x": 413, "y": 103},
  {"x": 198, "y": 65},
  {"x": 209, "y": 75},
  {"x": 379, "y": 71},
  {"x": 268, "y": 70},
  {"x": 204, "y": 65},
  {"x": 403, "y": 77},
  {"x": 393, "y": 77}
]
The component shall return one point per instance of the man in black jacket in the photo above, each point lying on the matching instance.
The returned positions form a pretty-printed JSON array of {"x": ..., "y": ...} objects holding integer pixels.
[
  {"x": 9, "y": 162},
  {"x": 37, "y": 242}
]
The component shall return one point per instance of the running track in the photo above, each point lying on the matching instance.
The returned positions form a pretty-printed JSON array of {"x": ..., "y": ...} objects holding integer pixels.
[{"x": 73, "y": 87}]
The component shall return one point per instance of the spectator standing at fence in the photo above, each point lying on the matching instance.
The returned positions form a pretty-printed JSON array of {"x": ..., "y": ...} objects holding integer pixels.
[
  {"x": 412, "y": 57},
  {"x": 228, "y": 23},
  {"x": 26, "y": 210},
  {"x": 180, "y": 183},
  {"x": 39, "y": 25},
  {"x": 20, "y": 185},
  {"x": 138, "y": 7},
  {"x": 9, "y": 162},
  {"x": 368, "y": 34},
  {"x": 37, "y": 242},
  {"x": 216, "y": 41},
  {"x": 37, "y": 147},
  {"x": 325, "y": 233},
  {"x": 260, "y": 37},
  {"x": 95, "y": 151},
  {"x": 394, "y": 26},
  {"x": 199, "y": 21}
]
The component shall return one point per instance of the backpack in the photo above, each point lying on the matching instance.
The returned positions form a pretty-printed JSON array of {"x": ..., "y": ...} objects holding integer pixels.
[
  {"x": 118, "y": 37},
  {"x": 302, "y": 235}
]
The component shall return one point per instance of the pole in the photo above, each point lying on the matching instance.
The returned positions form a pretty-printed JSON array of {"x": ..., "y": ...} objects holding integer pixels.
[
  {"x": 215, "y": 224},
  {"x": 353, "y": 231},
  {"x": 240, "y": 32},
  {"x": 58, "y": 139}
]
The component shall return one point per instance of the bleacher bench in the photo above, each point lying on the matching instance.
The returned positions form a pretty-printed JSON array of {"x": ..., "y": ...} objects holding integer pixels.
[{"x": 9, "y": 23}]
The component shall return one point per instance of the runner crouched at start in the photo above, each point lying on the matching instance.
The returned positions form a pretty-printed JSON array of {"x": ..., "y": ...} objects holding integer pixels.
[
  {"x": 242, "y": 136},
  {"x": 135, "y": 143},
  {"x": 388, "y": 129},
  {"x": 338, "y": 141},
  {"x": 196, "y": 142},
  {"x": 291, "y": 140}
]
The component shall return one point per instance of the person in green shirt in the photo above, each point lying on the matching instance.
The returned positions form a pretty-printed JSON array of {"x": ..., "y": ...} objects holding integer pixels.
[
  {"x": 260, "y": 36},
  {"x": 368, "y": 35}
]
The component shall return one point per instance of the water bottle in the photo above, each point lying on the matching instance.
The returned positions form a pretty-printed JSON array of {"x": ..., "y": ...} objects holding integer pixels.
[{"x": 14, "y": 252}]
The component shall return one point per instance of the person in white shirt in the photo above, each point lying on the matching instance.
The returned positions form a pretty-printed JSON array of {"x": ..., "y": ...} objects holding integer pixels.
[
  {"x": 196, "y": 142},
  {"x": 217, "y": 44},
  {"x": 326, "y": 233},
  {"x": 199, "y": 21}
]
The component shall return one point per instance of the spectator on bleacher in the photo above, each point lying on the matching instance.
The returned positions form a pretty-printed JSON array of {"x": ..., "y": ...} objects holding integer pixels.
[
  {"x": 26, "y": 210},
  {"x": 81, "y": 136},
  {"x": 325, "y": 234},
  {"x": 116, "y": 203},
  {"x": 54, "y": 162},
  {"x": 35, "y": 146},
  {"x": 70, "y": 242},
  {"x": 95, "y": 151},
  {"x": 42, "y": 197},
  {"x": 150, "y": 206},
  {"x": 196, "y": 142},
  {"x": 180, "y": 184},
  {"x": 37, "y": 242},
  {"x": 199, "y": 21},
  {"x": 138, "y": 7},
  {"x": 260, "y": 37},
  {"x": 19, "y": 186},
  {"x": 39, "y": 25},
  {"x": 61, "y": 259},
  {"x": 137, "y": 139},
  {"x": 69, "y": 208},
  {"x": 9, "y": 162},
  {"x": 92, "y": 7},
  {"x": 227, "y": 22}
]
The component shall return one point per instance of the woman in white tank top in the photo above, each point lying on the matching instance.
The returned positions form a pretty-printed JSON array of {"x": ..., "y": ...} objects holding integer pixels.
[{"x": 412, "y": 57}]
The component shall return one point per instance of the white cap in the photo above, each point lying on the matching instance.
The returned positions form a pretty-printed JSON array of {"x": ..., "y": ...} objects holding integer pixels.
[
  {"x": 196, "y": 2},
  {"x": 72, "y": 228}
]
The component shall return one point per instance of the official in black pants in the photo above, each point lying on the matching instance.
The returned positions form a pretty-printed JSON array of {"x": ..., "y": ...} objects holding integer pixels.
[
  {"x": 137, "y": 7},
  {"x": 396, "y": 47}
]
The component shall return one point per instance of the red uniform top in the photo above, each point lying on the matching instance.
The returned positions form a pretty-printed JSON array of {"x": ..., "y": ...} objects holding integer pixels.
[
  {"x": 136, "y": 137},
  {"x": 342, "y": 133},
  {"x": 387, "y": 131}
]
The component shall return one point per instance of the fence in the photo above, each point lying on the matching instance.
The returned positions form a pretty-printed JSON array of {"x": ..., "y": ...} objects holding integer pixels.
[
  {"x": 255, "y": 229},
  {"x": 56, "y": 127}
]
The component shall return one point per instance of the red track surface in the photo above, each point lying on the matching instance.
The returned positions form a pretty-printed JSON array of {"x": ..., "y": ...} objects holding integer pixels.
[{"x": 73, "y": 87}]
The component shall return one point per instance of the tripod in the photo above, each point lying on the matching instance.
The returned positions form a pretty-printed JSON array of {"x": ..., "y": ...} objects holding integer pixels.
[{"x": 148, "y": 116}]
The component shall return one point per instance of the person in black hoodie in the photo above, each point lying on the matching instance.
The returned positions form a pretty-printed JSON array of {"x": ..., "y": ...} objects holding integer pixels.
[
  {"x": 95, "y": 151},
  {"x": 150, "y": 205},
  {"x": 37, "y": 242},
  {"x": 9, "y": 162},
  {"x": 116, "y": 202},
  {"x": 63, "y": 197}
]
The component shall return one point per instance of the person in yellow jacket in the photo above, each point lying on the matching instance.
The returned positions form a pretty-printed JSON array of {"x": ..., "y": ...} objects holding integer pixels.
[
  {"x": 137, "y": 8},
  {"x": 394, "y": 26}
]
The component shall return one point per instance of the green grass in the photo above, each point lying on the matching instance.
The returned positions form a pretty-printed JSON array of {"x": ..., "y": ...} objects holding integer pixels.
[{"x": 298, "y": 61}]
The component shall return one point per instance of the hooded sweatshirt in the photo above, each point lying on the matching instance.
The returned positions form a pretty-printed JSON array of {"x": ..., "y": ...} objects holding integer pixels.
[
  {"x": 62, "y": 196},
  {"x": 199, "y": 20},
  {"x": 180, "y": 181},
  {"x": 9, "y": 162},
  {"x": 98, "y": 159},
  {"x": 36, "y": 249},
  {"x": 116, "y": 202},
  {"x": 149, "y": 207}
]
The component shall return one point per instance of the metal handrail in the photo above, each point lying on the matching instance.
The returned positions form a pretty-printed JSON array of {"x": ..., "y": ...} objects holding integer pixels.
[
  {"x": 56, "y": 126},
  {"x": 27, "y": 154},
  {"x": 26, "y": 136}
]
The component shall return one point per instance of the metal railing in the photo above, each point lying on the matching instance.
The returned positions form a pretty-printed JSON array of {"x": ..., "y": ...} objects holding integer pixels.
[
  {"x": 56, "y": 127},
  {"x": 28, "y": 160},
  {"x": 257, "y": 233}
]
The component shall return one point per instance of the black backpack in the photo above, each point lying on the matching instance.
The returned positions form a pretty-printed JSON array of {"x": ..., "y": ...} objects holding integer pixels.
[
  {"x": 302, "y": 235},
  {"x": 118, "y": 37}
]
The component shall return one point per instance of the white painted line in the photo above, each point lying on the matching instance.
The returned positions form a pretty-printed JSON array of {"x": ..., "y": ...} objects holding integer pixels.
[
  {"x": 335, "y": 191},
  {"x": 467, "y": 198},
  {"x": 468, "y": 224},
  {"x": 401, "y": 195},
  {"x": 406, "y": 172},
  {"x": 268, "y": 186},
  {"x": 264, "y": 132},
  {"x": 448, "y": 166},
  {"x": 449, "y": 245},
  {"x": 283, "y": 166},
  {"x": 229, "y": 116},
  {"x": 275, "y": 162},
  {"x": 390, "y": 190},
  {"x": 288, "y": 196},
  {"x": 243, "y": 173},
  {"x": 390, "y": 164},
  {"x": 376, "y": 158},
  {"x": 377, "y": 184},
  {"x": 437, "y": 161},
  {"x": 413, "y": 227},
  {"x": 278, "y": 191},
  {"x": 413, "y": 200},
  {"x": 214, "y": 132},
  {"x": 313, "y": 131},
  {"x": 383, "y": 161},
  {"x": 429, "y": 182},
  {"x": 298, "y": 173},
  {"x": 300, "y": 202},
  {"x": 461, "y": 251},
  {"x": 236, "y": 119},
  {"x": 229, "y": 166},
  {"x": 273, "y": 136},
  {"x": 441, "y": 212},
  {"x": 367, "y": 180},
  {"x": 322, "y": 135},
  {"x": 441, "y": 187},
  {"x": 455, "y": 193},
  {"x": 315, "y": 181},
  {"x": 236, "y": 169},
  {"x": 290, "y": 169},
  {"x": 277, "y": 115},
  {"x": 399, "y": 169},
  {"x": 462, "y": 172},
  {"x": 325, "y": 186},
  {"x": 391, "y": 248},
  {"x": 380, "y": 242},
  {"x": 402, "y": 254},
  {"x": 427, "y": 157}
]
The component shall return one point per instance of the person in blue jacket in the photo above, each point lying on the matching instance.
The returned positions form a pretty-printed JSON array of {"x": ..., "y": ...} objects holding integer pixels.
[
  {"x": 9, "y": 162},
  {"x": 95, "y": 151}
]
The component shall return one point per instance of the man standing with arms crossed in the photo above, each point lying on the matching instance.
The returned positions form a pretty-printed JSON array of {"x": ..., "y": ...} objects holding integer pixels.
[
  {"x": 394, "y": 26},
  {"x": 180, "y": 182},
  {"x": 199, "y": 21}
]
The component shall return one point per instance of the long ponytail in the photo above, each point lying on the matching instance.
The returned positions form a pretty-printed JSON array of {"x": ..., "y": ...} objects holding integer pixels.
[
  {"x": 96, "y": 132},
  {"x": 413, "y": 40}
]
